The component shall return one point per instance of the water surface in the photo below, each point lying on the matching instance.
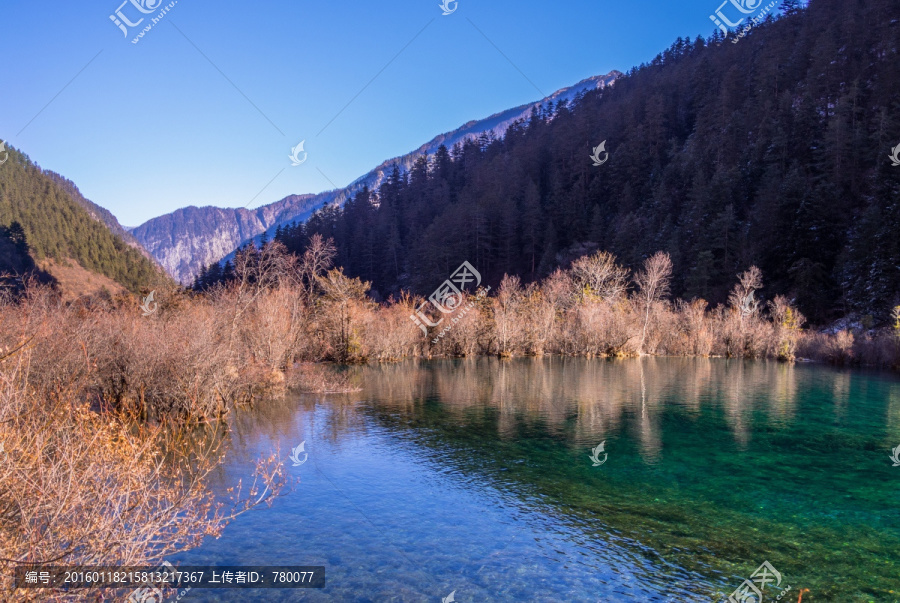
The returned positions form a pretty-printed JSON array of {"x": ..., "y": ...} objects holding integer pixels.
[{"x": 474, "y": 476}]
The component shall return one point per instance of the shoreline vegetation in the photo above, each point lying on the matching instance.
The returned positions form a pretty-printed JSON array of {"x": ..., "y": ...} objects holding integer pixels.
[
  {"x": 109, "y": 418},
  {"x": 293, "y": 308}
]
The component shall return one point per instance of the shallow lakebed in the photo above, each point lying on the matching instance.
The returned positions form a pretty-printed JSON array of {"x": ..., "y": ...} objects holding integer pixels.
[{"x": 476, "y": 477}]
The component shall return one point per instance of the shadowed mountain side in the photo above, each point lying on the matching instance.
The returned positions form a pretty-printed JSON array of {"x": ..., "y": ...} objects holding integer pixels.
[
  {"x": 494, "y": 126},
  {"x": 769, "y": 150}
]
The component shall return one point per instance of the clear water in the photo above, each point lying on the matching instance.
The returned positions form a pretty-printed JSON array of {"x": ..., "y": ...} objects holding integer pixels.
[{"x": 474, "y": 476}]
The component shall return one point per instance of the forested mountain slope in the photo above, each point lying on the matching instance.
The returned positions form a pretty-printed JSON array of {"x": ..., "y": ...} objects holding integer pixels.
[
  {"x": 52, "y": 225},
  {"x": 186, "y": 240},
  {"x": 771, "y": 151}
]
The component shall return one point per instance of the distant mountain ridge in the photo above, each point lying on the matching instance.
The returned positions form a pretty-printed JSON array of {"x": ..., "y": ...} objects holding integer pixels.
[
  {"x": 496, "y": 125},
  {"x": 191, "y": 237},
  {"x": 188, "y": 239}
]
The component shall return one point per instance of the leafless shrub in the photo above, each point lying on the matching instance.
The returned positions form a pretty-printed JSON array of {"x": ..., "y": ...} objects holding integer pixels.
[
  {"x": 596, "y": 318},
  {"x": 787, "y": 322},
  {"x": 539, "y": 318},
  {"x": 508, "y": 318},
  {"x": 271, "y": 331},
  {"x": 387, "y": 334},
  {"x": 653, "y": 284},
  {"x": 560, "y": 290},
  {"x": 744, "y": 332},
  {"x": 470, "y": 332},
  {"x": 880, "y": 349},
  {"x": 692, "y": 335},
  {"x": 597, "y": 328},
  {"x": 743, "y": 296},
  {"x": 339, "y": 312},
  {"x": 316, "y": 260},
  {"x": 839, "y": 348}
]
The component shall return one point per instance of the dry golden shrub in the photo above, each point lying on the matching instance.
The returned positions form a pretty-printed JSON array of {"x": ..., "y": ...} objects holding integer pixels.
[
  {"x": 689, "y": 332},
  {"x": 540, "y": 321},
  {"x": 839, "y": 348},
  {"x": 387, "y": 333},
  {"x": 508, "y": 318},
  {"x": 466, "y": 332},
  {"x": 82, "y": 487},
  {"x": 339, "y": 314},
  {"x": 787, "y": 323}
]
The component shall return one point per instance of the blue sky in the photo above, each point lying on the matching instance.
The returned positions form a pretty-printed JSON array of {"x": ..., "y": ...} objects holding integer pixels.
[{"x": 205, "y": 108}]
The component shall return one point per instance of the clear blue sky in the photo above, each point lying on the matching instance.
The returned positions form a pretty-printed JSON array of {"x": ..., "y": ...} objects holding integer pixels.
[{"x": 146, "y": 128}]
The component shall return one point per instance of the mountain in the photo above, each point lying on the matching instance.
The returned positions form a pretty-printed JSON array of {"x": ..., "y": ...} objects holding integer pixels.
[
  {"x": 187, "y": 240},
  {"x": 98, "y": 213},
  {"x": 48, "y": 228},
  {"x": 770, "y": 149},
  {"x": 491, "y": 127}
]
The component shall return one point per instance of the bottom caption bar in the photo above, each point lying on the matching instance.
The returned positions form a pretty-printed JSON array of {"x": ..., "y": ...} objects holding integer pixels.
[{"x": 169, "y": 576}]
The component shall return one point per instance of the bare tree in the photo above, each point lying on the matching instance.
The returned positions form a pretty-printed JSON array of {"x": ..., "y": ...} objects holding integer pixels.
[
  {"x": 598, "y": 275},
  {"x": 653, "y": 284},
  {"x": 743, "y": 296},
  {"x": 318, "y": 257},
  {"x": 508, "y": 323},
  {"x": 342, "y": 302}
]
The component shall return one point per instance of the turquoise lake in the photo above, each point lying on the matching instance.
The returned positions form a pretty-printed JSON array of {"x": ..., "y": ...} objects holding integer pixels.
[{"x": 475, "y": 477}]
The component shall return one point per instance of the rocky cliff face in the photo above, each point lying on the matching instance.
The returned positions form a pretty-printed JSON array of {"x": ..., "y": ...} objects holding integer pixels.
[{"x": 188, "y": 239}]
